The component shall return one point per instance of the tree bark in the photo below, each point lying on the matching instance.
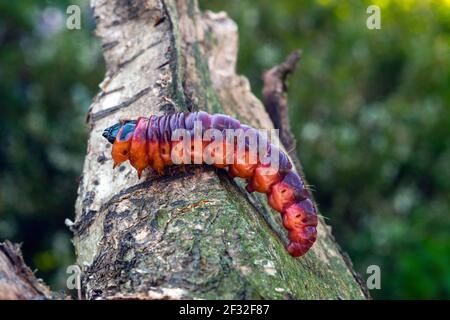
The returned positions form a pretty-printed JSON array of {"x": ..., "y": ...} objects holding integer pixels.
[
  {"x": 17, "y": 281},
  {"x": 275, "y": 99},
  {"x": 194, "y": 233}
]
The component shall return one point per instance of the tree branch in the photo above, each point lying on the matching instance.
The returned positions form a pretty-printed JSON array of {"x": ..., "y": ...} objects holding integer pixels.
[
  {"x": 275, "y": 97},
  {"x": 193, "y": 234},
  {"x": 17, "y": 281}
]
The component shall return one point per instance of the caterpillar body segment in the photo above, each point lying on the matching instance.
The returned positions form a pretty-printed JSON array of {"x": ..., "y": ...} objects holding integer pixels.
[{"x": 184, "y": 138}]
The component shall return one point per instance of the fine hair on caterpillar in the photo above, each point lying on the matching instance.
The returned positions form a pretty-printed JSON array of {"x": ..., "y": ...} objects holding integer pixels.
[{"x": 221, "y": 141}]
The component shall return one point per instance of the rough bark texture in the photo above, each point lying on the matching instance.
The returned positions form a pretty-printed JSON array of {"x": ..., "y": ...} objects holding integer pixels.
[
  {"x": 193, "y": 233},
  {"x": 17, "y": 281}
]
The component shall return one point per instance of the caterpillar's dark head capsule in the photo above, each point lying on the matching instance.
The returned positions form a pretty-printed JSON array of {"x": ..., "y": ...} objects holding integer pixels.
[
  {"x": 110, "y": 133},
  {"x": 120, "y": 136}
]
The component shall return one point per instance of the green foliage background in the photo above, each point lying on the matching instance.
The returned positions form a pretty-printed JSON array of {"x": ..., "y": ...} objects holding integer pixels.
[{"x": 369, "y": 109}]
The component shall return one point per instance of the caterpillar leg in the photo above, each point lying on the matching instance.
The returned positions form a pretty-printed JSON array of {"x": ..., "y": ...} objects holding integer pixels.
[{"x": 263, "y": 179}]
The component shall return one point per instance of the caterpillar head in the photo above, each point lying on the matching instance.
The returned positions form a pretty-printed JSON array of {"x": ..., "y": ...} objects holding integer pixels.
[{"x": 120, "y": 136}]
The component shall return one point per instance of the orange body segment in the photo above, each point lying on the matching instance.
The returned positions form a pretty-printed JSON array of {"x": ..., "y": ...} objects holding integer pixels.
[
  {"x": 155, "y": 159},
  {"x": 197, "y": 148},
  {"x": 301, "y": 234},
  {"x": 121, "y": 148},
  {"x": 165, "y": 149},
  {"x": 220, "y": 155},
  {"x": 242, "y": 167},
  {"x": 297, "y": 249},
  {"x": 180, "y": 152},
  {"x": 282, "y": 195},
  {"x": 264, "y": 177},
  {"x": 138, "y": 149}
]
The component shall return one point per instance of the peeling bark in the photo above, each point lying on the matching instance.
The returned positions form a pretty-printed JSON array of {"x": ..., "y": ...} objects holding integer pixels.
[
  {"x": 193, "y": 233},
  {"x": 17, "y": 281}
]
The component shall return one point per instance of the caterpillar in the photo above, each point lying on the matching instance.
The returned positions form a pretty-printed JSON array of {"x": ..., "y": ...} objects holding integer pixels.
[{"x": 152, "y": 142}]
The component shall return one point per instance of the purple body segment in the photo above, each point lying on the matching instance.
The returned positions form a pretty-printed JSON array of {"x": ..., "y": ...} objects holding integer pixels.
[
  {"x": 252, "y": 134},
  {"x": 166, "y": 132},
  {"x": 205, "y": 120},
  {"x": 293, "y": 180},
  {"x": 276, "y": 154},
  {"x": 153, "y": 132},
  {"x": 223, "y": 122},
  {"x": 180, "y": 121},
  {"x": 310, "y": 216},
  {"x": 173, "y": 121},
  {"x": 197, "y": 117},
  {"x": 189, "y": 121}
]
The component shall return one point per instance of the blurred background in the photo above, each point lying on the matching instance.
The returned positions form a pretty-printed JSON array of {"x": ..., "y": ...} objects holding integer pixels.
[{"x": 369, "y": 108}]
